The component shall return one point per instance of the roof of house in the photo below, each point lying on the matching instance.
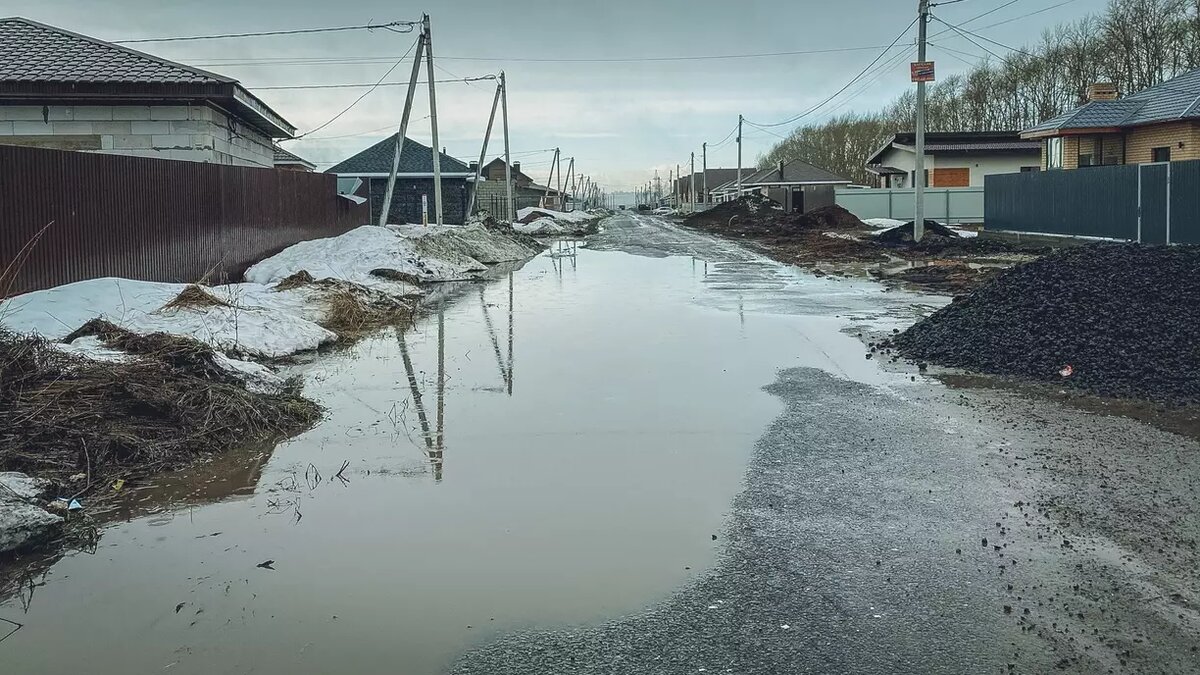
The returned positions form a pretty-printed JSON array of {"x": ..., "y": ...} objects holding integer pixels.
[
  {"x": 715, "y": 177},
  {"x": 1006, "y": 142},
  {"x": 1174, "y": 100},
  {"x": 41, "y": 63},
  {"x": 499, "y": 162},
  {"x": 794, "y": 172},
  {"x": 284, "y": 157},
  {"x": 415, "y": 158}
]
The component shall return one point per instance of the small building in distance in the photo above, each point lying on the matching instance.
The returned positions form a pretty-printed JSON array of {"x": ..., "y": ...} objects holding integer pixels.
[
  {"x": 413, "y": 181},
  {"x": 291, "y": 161},
  {"x": 952, "y": 159}
]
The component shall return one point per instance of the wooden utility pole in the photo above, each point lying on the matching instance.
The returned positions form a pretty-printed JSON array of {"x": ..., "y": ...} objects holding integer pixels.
[
  {"x": 558, "y": 166},
  {"x": 571, "y": 181},
  {"x": 386, "y": 207},
  {"x": 437, "y": 152},
  {"x": 483, "y": 153},
  {"x": 512, "y": 207},
  {"x": 550, "y": 178}
]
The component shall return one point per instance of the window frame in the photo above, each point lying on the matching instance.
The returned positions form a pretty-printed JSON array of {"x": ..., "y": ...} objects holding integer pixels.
[
  {"x": 1154, "y": 154},
  {"x": 1054, "y": 152}
]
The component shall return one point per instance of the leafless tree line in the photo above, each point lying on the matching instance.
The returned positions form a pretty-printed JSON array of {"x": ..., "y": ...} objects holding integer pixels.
[{"x": 1134, "y": 44}]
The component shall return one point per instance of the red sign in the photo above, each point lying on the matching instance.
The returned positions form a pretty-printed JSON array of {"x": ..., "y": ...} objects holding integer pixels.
[{"x": 922, "y": 71}]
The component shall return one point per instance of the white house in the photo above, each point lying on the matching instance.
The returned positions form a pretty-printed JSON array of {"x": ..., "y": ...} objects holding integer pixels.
[
  {"x": 67, "y": 91},
  {"x": 953, "y": 159}
]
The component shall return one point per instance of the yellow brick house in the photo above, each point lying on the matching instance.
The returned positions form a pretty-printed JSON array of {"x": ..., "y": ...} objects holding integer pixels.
[{"x": 1158, "y": 124}]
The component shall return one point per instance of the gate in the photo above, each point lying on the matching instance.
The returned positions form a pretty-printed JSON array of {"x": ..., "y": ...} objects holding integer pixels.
[{"x": 1154, "y": 203}]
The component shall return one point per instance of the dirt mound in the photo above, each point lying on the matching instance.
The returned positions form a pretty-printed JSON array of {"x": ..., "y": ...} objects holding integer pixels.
[
  {"x": 903, "y": 234},
  {"x": 1117, "y": 320},
  {"x": 825, "y": 218},
  {"x": 301, "y": 278},
  {"x": 747, "y": 207},
  {"x": 61, "y": 414}
]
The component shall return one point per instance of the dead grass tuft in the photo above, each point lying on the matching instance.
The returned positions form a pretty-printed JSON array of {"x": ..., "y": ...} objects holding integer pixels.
[
  {"x": 301, "y": 278},
  {"x": 195, "y": 296},
  {"x": 62, "y": 414},
  {"x": 352, "y": 312}
]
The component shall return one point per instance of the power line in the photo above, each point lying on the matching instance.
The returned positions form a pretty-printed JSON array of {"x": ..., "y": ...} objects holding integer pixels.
[
  {"x": 392, "y": 26},
  {"x": 465, "y": 80},
  {"x": 1025, "y": 16},
  {"x": 851, "y": 82},
  {"x": 631, "y": 59},
  {"x": 365, "y": 93},
  {"x": 966, "y": 33}
]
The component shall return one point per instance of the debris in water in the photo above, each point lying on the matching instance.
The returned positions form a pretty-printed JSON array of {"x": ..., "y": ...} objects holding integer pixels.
[{"x": 267, "y": 565}]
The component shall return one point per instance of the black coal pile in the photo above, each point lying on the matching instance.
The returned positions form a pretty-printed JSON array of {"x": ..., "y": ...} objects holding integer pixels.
[
  {"x": 746, "y": 207},
  {"x": 1117, "y": 320}
]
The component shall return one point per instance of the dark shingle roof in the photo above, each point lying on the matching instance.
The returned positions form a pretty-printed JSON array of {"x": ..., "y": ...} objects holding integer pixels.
[
  {"x": 960, "y": 141},
  {"x": 414, "y": 158},
  {"x": 284, "y": 157},
  {"x": 1173, "y": 100},
  {"x": 795, "y": 172},
  {"x": 34, "y": 52},
  {"x": 44, "y": 63}
]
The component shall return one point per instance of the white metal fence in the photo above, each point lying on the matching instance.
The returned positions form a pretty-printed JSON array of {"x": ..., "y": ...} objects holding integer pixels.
[{"x": 948, "y": 205}]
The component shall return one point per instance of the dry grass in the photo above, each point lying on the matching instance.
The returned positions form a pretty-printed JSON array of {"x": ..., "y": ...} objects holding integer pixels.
[
  {"x": 301, "y": 278},
  {"x": 61, "y": 414},
  {"x": 352, "y": 312},
  {"x": 195, "y": 296}
]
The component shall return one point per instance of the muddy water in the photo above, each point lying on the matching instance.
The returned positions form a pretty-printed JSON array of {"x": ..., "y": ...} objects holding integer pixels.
[{"x": 556, "y": 446}]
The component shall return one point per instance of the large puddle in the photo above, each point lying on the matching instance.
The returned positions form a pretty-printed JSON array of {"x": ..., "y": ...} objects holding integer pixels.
[{"x": 556, "y": 446}]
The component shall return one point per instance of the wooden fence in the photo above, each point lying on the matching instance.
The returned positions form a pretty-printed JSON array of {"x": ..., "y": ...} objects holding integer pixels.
[{"x": 104, "y": 215}]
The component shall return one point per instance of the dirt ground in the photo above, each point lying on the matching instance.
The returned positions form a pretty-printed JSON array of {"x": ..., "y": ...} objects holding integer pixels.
[{"x": 833, "y": 241}]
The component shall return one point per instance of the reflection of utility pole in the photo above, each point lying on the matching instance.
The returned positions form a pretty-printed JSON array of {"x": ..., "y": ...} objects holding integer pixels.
[
  {"x": 435, "y": 443},
  {"x": 510, "y": 333}
]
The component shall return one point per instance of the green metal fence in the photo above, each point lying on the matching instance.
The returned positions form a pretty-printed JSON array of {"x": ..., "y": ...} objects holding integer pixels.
[{"x": 1148, "y": 203}]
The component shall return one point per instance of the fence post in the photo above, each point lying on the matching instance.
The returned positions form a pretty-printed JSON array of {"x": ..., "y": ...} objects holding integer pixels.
[
  {"x": 948, "y": 219},
  {"x": 1168, "y": 203},
  {"x": 1139, "y": 203},
  {"x": 889, "y": 194}
]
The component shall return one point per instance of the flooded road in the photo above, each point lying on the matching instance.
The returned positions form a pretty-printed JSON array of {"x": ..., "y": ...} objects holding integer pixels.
[
  {"x": 553, "y": 447},
  {"x": 656, "y": 452}
]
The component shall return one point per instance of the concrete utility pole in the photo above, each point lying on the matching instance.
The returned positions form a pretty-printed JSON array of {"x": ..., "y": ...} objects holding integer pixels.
[
  {"x": 437, "y": 154},
  {"x": 558, "y": 164},
  {"x": 692, "y": 196},
  {"x": 919, "y": 174},
  {"x": 550, "y": 178},
  {"x": 512, "y": 207},
  {"x": 386, "y": 207},
  {"x": 704, "y": 170},
  {"x": 739, "y": 142},
  {"x": 483, "y": 153}
]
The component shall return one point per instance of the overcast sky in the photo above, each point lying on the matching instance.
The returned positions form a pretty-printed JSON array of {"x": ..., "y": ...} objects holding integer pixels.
[{"x": 621, "y": 120}]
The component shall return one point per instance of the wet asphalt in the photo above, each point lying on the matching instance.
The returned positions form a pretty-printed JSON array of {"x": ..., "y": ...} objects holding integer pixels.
[{"x": 927, "y": 530}]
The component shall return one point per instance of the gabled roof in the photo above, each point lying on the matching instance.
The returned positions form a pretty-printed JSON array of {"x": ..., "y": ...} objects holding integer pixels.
[
  {"x": 41, "y": 63},
  {"x": 794, "y": 172},
  {"x": 415, "y": 158},
  {"x": 1006, "y": 142},
  {"x": 287, "y": 158},
  {"x": 1174, "y": 100},
  {"x": 499, "y": 162}
]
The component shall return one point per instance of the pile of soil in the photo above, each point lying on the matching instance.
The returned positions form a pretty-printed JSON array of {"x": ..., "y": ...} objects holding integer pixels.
[
  {"x": 740, "y": 211},
  {"x": 1116, "y": 320},
  {"x": 947, "y": 276},
  {"x": 61, "y": 414}
]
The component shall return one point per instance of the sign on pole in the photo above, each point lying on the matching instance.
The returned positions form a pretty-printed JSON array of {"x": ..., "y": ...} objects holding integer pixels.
[
  {"x": 922, "y": 71},
  {"x": 424, "y": 210}
]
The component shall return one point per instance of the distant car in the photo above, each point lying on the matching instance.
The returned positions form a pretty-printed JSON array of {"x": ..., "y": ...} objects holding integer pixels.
[{"x": 664, "y": 210}]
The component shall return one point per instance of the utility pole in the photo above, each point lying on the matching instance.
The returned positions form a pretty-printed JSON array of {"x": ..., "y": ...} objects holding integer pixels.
[
  {"x": 704, "y": 171},
  {"x": 483, "y": 153},
  {"x": 550, "y": 178},
  {"x": 558, "y": 164},
  {"x": 512, "y": 208},
  {"x": 678, "y": 188},
  {"x": 739, "y": 142},
  {"x": 571, "y": 181},
  {"x": 437, "y": 153},
  {"x": 692, "y": 190},
  {"x": 386, "y": 207},
  {"x": 919, "y": 174}
]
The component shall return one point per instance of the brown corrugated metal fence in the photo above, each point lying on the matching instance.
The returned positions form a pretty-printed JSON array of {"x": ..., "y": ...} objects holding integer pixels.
[{"x": 154, "y": 219}]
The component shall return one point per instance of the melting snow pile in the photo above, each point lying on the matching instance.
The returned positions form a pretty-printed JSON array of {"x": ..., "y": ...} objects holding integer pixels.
[{"x": 539, "y": 221}]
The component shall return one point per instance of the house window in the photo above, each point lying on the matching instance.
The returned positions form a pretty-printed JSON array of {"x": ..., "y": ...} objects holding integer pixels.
[
  {"x": 1160, "y": 155},
  {"x": 1054, "y": 153}
]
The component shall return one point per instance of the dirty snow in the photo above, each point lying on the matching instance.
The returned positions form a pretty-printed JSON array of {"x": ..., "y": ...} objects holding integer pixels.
[
  {"x": 884, "y": 223},
  {"x": 561, "y": 216},
  {"x": 90, "y": 347},
  {"x": 22, "y": 522},
  {"x": 539, "y": 226}
]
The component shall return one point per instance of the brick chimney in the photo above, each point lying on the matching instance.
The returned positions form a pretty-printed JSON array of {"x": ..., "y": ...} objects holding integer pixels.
[
  {"x": 1103, "y": 91},
  {"x": 516, "y": 167},
  {"x": 779, "y": 168}
]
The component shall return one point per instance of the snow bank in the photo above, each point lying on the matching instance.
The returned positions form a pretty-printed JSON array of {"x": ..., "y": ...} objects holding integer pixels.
[
  {"x": 22, "y": 522},
  {"x": 353, "y": 255},
  {"x": 261, "y": 331},
  {"x": 884, "y": 223},
  {"x": 561, "y": 216},
  {"x": 539, "y": 226}
]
